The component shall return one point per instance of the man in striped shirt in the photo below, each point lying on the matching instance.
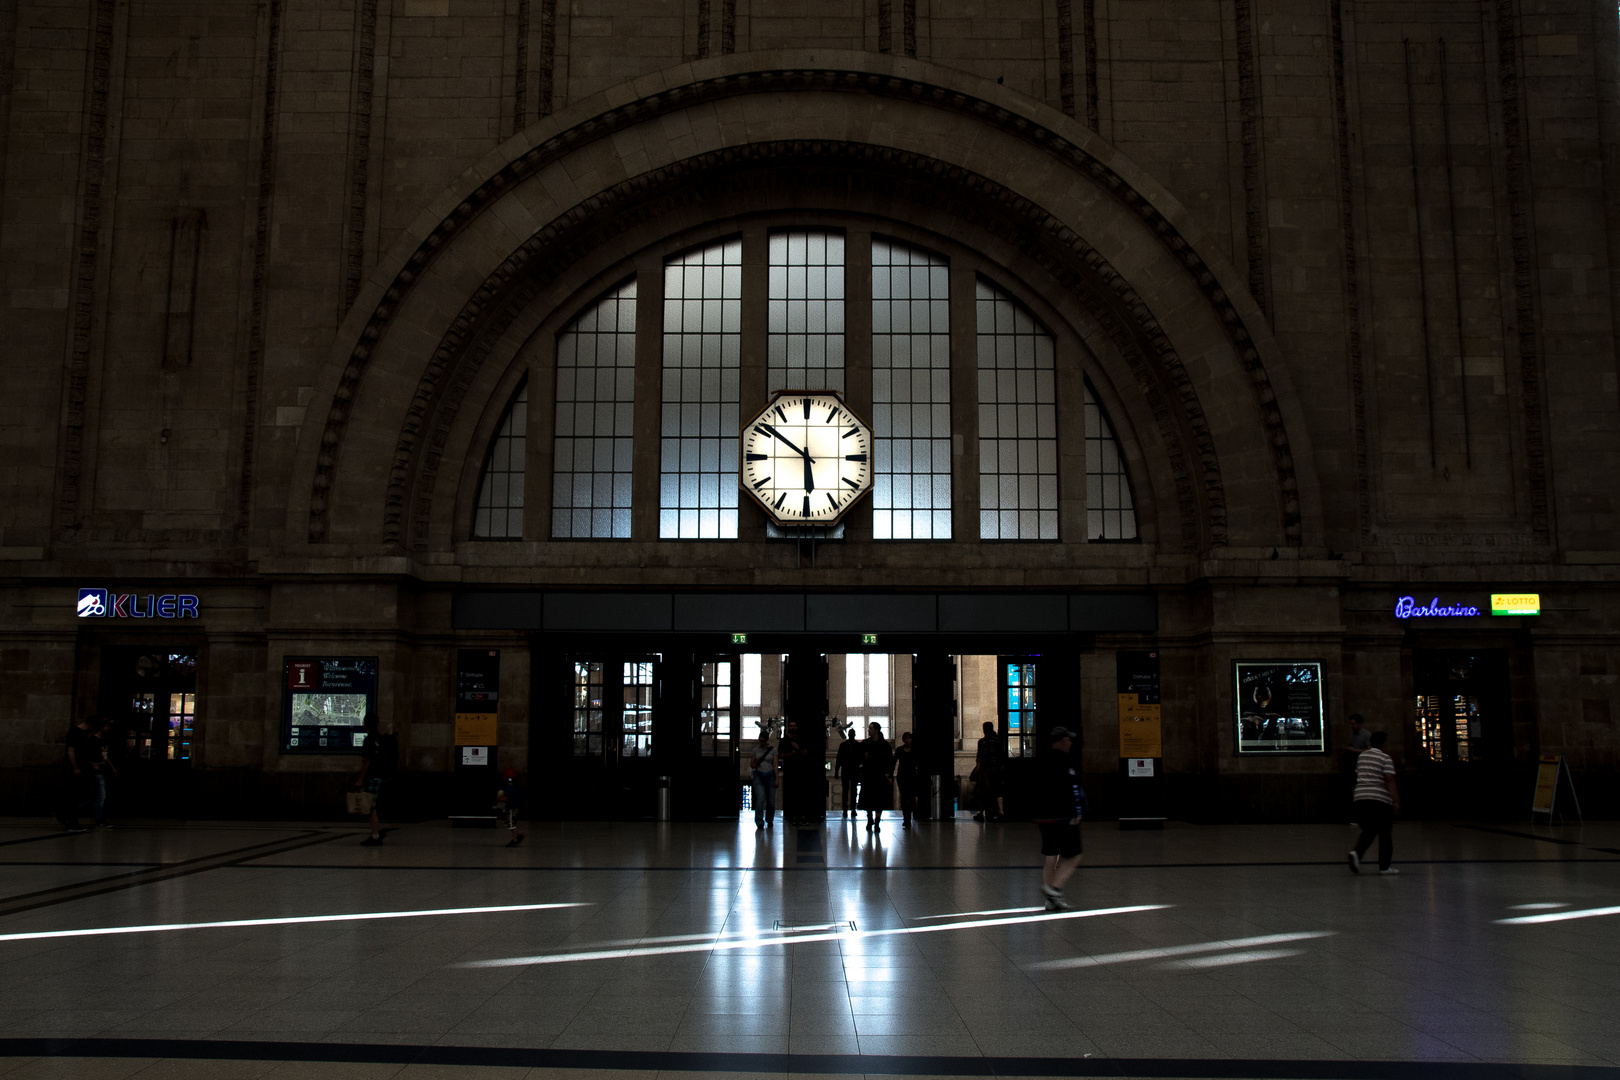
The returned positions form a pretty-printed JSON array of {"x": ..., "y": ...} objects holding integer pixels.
[{"x": 1375, "y": 803}]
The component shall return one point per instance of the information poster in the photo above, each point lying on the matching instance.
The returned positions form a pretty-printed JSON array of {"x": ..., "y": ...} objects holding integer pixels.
[
  {"x": 1140, "y": 731},
  {"x": 1279, "y": 707},
  {"x": 478, "y": 681},
  {"x": 326, "y": 701}
]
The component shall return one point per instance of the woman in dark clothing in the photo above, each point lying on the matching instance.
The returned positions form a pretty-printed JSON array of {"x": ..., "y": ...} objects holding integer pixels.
[
  {"x": 990, "y": 764},
  {"x": 877, "y": 771},
  {"x": 908, "y": 772}
]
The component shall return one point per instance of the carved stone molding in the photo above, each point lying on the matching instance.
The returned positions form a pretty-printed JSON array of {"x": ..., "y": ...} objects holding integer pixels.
[{"x": 802, "y": 80}]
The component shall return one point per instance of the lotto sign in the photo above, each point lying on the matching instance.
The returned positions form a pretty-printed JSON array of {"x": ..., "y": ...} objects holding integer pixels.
[
  {"x": 1516, "y": 603},
  {"x": 106, "y": 604}
]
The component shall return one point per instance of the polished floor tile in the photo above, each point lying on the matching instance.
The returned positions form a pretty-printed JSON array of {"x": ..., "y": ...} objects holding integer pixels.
[{"x": 703, "y": 947}]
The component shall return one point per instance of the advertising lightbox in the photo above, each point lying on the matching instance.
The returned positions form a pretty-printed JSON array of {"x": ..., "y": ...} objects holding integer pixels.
[
  {"x": 1278, "y": 707},
  {"x": 327, "y": 699}
]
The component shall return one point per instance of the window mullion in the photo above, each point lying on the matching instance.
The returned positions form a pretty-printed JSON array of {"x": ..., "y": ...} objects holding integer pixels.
[
  {"x": 751, "y": 385},
  {"x": 964, "y": 402},
  {"x": 858, "y": 355},
  {"x": 649, "y": 400}
]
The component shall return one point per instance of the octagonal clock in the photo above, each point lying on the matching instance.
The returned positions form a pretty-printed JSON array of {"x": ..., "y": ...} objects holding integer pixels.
[{"x": 807, "y": 458}]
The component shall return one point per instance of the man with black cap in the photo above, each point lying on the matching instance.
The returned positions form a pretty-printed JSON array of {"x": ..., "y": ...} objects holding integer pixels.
[{"x": 1060, "y": 803}]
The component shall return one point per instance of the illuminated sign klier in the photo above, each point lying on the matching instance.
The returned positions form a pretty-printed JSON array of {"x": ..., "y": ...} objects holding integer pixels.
[{"x": 106, "y": 604}]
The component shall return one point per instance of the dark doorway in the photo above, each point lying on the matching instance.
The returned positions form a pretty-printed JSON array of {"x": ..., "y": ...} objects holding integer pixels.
[
  {"x": 1464, "y": 747},
  {"x": 150, "y": 694}
]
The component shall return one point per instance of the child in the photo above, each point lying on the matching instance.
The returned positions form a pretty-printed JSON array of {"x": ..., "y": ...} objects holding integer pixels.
[{"x": 506, "y": 805}]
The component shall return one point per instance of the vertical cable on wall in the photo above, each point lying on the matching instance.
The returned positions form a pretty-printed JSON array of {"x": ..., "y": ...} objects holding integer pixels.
[
  {"x": 1249, "y": 115},
  {"x": 1456, "y": 263},
  {"x": 520, "y": 84},
  {"x": 1065, "y": 29},
  {"x": 365, "y": 62},
  {"x": 1423, "y": 272},
  {"x": 548, "y": 55},
  {"x": 1088, "y": 30}
]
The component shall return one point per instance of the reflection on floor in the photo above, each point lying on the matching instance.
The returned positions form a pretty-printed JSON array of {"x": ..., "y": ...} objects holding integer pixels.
[{"x": 286, "y": 950}]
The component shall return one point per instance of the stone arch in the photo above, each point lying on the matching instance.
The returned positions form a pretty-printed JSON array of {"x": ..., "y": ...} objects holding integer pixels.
[{"x": 596, "y": 171}]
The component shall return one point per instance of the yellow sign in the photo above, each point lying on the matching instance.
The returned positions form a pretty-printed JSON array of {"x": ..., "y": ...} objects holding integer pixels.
[
  {"x": 1516, "y": 603},
  {"x": 1546, "y": 785},
  {"x": 475, "y": 729},
  {"x": 1140, "y": 734}
]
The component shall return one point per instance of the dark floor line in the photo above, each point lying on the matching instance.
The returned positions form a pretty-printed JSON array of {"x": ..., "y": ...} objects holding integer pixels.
[
  {"x": 650, "y": 1061},
  {"x": 134, "y": 879},
  {"x": 70, "y": 862},
  {"x": 57, "y": 835},
  {"x": 1520, "y": 835},
  {"x": 440, "y": 867}
]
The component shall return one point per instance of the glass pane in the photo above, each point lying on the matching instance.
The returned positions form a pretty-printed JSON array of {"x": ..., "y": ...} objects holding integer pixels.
[
  {"x": 877, "y": 680},
  {"x": 1016, "y": 383},
  {"x": 1110, "y": 508},
  {"x": 596, "y": 361},
  {"x": 806, "y": 312},
  {"x": 702, "y": 351},
  {"x": 499, "y": 513},
  {"x": 911, "y": 378}
]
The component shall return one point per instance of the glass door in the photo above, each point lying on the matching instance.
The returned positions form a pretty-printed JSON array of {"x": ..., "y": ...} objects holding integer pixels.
[{"x": 1019, "y": 699}]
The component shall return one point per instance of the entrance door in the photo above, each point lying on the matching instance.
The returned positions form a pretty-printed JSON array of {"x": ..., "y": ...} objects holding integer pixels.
[
  {"x": 150, "y": 694},
  {"x": 611, "y": 734},
  {"x": 1034, "y": 695},
  {"x": 1464, "y": 730}
]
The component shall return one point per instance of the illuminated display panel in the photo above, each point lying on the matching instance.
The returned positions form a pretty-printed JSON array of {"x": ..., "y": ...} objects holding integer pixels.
[
  {"x": 1278, "y": 707},
  {"x": 327, "y": 699}
]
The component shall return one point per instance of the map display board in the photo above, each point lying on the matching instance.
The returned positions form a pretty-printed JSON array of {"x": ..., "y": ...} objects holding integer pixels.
[{"x": 326, "y": 700}]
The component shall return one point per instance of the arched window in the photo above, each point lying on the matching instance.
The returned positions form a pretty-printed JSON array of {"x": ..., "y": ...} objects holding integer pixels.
[
  {"x": 702, "y": 366},
  {"x": 911, "y": 393},
  {"x": 1018, "y": 451},
  {"x": 1110, "y": 511},
  {"x": 499, "y": 514},
  {"x": 594, "y": 448}
]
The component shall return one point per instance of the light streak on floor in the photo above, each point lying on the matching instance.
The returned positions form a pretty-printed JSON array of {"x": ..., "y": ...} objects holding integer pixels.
[
  {"x": 971, "y": 914},
  {"x": 1561, "y": 916},
  {"x": 1545, "y": 905},
  {"x": 1227, "y": 959},
  {"x": 761, "y": 939},
  {"x": 1171, "y": 951},
  {"x": 291, "y": 920}
]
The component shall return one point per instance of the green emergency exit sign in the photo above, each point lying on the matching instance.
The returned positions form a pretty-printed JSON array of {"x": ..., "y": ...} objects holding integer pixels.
[
  {"x": 739, "y": 639},
  {"x": 868, "y": 639}
]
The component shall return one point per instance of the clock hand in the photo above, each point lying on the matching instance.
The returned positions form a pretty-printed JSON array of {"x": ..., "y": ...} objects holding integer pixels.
[
  {"x": 809, "y": 477},
  {"x": 777, "y": 435}
]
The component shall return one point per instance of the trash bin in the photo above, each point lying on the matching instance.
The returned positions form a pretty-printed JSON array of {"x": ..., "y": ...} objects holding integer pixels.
[
  {"x": 941, "y": 801},
  {"x": 663, "y": 798}
]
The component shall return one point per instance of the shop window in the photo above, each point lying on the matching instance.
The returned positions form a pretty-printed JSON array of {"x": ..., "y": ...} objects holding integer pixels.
[
  {"x": 866, "y": 691},
  {"x": 911, "y": 393},
  {"x": 806, "y": 342},
  {"x": 594, "y": 446},
  {"x": 702, "y": 364},
  {"x": 588, "y": 708},
  {"x": 1021, "y": 699},
  {"x": 636, "y": 720},
  {"x": 1018, "y": 451},
  {"x": 499, "y": 514},
  {"x": 1110, "y": 510}
]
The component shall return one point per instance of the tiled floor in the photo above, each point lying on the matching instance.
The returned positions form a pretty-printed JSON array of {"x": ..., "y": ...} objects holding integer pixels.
[{"x": 694, "y": 949}]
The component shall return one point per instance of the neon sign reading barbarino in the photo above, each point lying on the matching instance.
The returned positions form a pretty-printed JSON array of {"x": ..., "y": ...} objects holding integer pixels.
[
  {"x": 1407, "y": 608},
  {"x": 104, "y": 603}
]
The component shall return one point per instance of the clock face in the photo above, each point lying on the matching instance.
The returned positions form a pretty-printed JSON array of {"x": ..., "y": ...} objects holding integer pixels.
[{"x": 807, "y": 458}]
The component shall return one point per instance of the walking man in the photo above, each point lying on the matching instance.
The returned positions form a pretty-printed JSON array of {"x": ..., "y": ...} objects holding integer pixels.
[
  {"x": 847, "y": 767},
  {"x": 1060, "y": 803},
  {"x": 763, "y": 758},
  {"x": 78, "y": 759},
  {"x": 1376, "y": 802}
]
